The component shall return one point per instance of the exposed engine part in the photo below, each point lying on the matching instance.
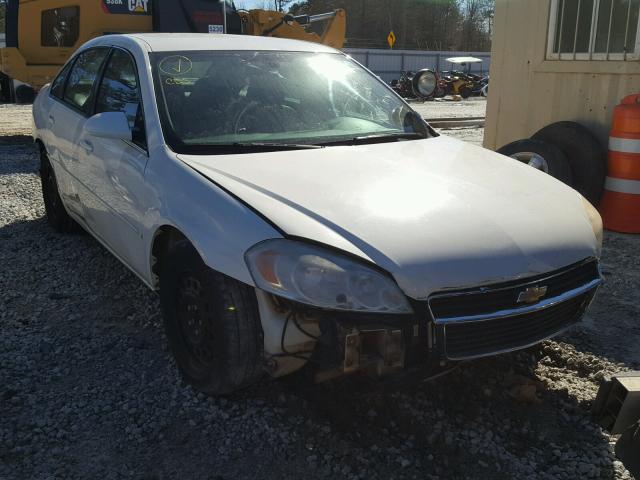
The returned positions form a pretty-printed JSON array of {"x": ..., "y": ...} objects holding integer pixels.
[
  {"x": 377, "y": 352},
  {"x": 289, "y": 337}
]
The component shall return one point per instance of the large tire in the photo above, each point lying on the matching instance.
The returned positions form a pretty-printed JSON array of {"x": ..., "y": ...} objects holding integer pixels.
[
  {"x": 212, "y": 323},
  {"x": 584, "y": 153},
  {"x": 25, "y": 94},
  {"x": 57, "y": 215},
  {"x": 465, "y": 92},
  {"x": 554, "y": 162}
]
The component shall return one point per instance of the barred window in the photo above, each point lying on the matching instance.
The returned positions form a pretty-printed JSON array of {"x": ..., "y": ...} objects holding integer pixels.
[{"x": 594, "y": 30}]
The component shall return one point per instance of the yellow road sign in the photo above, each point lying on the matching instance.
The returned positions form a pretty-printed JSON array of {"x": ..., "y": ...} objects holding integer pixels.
[{"x": 391, "y": 39}]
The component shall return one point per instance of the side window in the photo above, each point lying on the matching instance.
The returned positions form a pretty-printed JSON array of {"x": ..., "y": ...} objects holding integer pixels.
[
  {"x": 119, "y": 92},
  {"x": 59, "y": 27},
  {"x": 82, "y": 77},
  {"x": 57, "y": 86}
]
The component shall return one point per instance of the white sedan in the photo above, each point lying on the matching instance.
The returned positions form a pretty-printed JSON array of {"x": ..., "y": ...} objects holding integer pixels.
[{"x": 293, "y": 211}]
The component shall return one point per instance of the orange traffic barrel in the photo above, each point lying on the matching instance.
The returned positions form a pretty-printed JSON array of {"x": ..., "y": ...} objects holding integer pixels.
[{"x": 620, "y": 204}]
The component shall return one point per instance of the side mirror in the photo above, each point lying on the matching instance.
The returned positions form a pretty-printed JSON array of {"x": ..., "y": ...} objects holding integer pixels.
[{"x": 109, "y": 125}]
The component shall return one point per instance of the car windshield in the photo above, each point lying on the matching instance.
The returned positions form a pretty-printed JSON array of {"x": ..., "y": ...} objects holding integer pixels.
[{"x": 213, "y": 99}]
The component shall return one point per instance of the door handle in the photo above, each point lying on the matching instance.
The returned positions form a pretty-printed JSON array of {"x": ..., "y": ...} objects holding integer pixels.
[
  {"x": 87, "y": 145},
  {"x": 52, "y": 120}
]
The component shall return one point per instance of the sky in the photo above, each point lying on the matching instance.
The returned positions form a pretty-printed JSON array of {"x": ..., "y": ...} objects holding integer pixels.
[{"x": 249, "y": 4}]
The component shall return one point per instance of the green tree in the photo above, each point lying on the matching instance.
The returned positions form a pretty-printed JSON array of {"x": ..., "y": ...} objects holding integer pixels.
[
  {"x": 3, "y": 9},
  {"x": 417, "y": 24}
]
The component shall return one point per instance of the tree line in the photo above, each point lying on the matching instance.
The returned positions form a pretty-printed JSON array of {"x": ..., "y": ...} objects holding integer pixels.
[{"x": 464, "y": 25}]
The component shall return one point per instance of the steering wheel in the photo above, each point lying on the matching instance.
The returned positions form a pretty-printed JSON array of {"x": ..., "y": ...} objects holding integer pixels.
[
  {"x": 280, "y": 116},
  {"x": 363, "y": 108}
]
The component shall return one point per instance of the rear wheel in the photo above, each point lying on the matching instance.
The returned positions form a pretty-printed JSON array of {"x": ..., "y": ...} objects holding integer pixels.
[
  {"x": 541, "y": 156},
  {"x": 465, "y": 92},
  {"x": 25, "y": 94},
  {"x": 57, "y": 215},
  {"x": 212, "y": 323}
]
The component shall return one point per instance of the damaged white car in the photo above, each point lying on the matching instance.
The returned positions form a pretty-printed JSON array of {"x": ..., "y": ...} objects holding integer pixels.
[{"x": 293, "y": 211}]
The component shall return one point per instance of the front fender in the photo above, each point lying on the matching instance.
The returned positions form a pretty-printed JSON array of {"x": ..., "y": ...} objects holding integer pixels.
[{"x": 221, "y": 227}]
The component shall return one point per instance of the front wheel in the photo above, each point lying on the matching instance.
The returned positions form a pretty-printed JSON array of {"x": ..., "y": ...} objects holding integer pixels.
[{"x": 212, "y": 323}]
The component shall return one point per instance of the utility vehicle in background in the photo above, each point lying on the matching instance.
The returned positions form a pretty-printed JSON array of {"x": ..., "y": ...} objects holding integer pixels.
[{"x": 42, "y": 34}]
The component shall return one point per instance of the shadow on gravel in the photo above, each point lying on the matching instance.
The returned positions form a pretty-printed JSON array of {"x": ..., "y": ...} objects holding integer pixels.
[
  {"x": 16, "y": 140},
  {"x": 481, "y": 418},
  {"x": 18, "y": 157},
  {"x": 88, "y": 339}
]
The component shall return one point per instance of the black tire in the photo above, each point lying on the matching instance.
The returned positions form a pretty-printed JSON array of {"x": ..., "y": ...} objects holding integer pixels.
[
  {"x": 465, "y": 92},
  {"x": 586, "y": 157},
  {"x": 556, "y": 163},
  {"x": 57, "y": 215},
  {"x": 212, "y": 323},
  {"x": 25, "y": 94}
]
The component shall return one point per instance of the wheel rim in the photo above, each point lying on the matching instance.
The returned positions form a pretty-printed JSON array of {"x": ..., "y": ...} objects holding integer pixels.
[
  {"x": 194, "y": 321},
  {"x": 532, "y": 159}
]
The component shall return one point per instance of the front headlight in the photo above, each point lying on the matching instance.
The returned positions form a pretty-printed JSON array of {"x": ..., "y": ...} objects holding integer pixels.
[
  {"x": 316, "y": 276},
  {"x": 596, "y": 222},
  {"x": 425, "y": 83}
]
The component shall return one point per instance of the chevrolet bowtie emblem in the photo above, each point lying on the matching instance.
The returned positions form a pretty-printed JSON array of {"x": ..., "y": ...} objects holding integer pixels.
[{"x": 532, "y": 294}]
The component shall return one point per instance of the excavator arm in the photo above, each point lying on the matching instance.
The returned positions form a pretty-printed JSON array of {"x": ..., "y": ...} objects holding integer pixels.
[
  {"x": 35, "y": 51},
  {"x": 270, "y": 23}
]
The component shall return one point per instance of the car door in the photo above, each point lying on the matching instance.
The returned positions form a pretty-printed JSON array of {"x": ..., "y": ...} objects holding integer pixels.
[
  {"x": 72, "y": 106},
  {"x": 114, "y": 204}
]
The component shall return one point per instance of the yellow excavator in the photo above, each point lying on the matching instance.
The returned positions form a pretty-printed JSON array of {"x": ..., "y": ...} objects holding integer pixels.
[{"x": 42, "y": 34}]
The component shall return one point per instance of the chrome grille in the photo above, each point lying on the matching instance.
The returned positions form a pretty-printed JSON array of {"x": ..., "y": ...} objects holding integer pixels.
[
  {"x": 479, "y": 322},
  {"x": 478, "y": 339}
]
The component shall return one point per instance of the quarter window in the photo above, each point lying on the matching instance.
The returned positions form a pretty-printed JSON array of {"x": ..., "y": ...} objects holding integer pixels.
[
  {"x": 59, "y": 27},
  {"x": 82, "y": 77},
  {"x": 594, "y": 30}
]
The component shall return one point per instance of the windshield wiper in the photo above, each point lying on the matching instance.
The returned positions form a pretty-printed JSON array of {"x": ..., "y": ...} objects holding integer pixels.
[
  {"x": 377, "y": 138},
  {"x": 274, "y": 145},
  {"x": 243, "y": 147}
]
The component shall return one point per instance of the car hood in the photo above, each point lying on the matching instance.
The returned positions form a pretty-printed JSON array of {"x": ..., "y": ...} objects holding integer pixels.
[{"x": 437, "y": 214}]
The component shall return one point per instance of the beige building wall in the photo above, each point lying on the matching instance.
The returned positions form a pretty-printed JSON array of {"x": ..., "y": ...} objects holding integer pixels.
[{"x": 528, "y": 92}]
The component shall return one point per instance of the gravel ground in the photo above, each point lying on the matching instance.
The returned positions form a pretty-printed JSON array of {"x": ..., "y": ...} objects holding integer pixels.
[
  {"x": 88, "y": 388},
  {"x": 447, "y": 108}
]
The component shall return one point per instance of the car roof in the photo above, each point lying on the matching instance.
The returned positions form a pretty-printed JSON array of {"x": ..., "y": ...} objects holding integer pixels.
[{"x": 167, "y": 42}]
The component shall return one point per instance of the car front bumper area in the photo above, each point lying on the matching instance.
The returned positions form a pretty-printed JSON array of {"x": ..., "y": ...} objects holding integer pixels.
[{"x": 457, "y": 325}]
